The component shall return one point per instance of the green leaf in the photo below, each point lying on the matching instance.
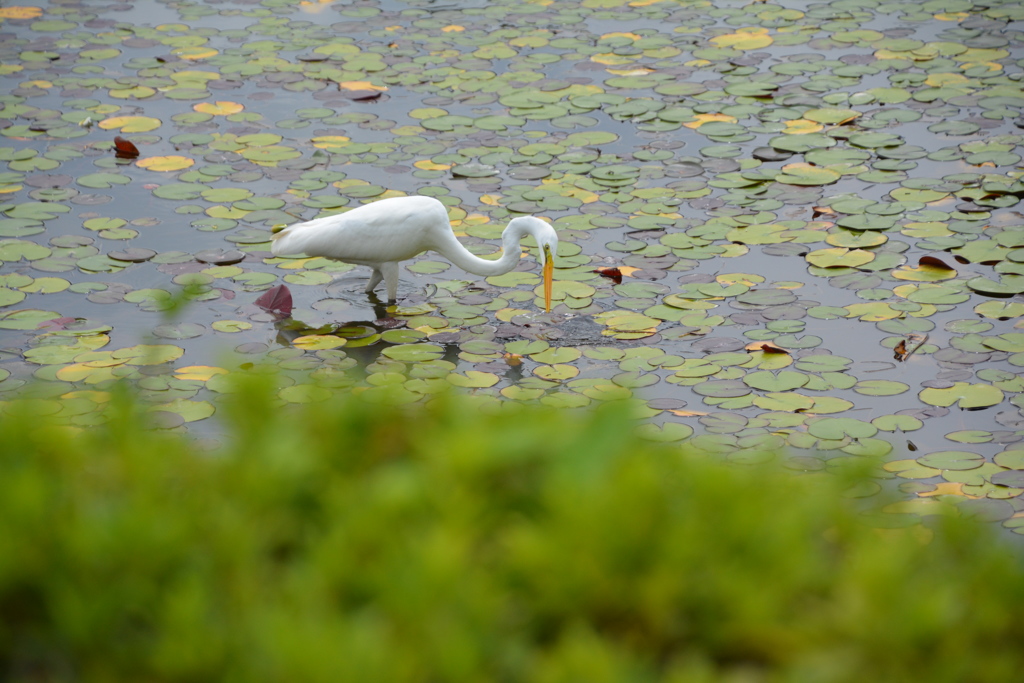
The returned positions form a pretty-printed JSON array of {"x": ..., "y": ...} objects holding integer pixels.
[{"x": 964, "y": 394}]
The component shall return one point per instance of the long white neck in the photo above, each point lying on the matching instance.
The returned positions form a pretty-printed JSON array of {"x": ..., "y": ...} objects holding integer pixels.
[{"x": 453, "y": 250}]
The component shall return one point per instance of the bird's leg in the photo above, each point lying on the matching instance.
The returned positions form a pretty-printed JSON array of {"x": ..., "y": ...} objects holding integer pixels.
[
  {"x": 390, "y": 271},
  {"x": 375, "y": 278}
]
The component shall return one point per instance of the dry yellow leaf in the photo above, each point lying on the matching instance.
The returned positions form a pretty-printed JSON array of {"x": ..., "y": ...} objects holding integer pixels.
[
  {"x": 195, "y": 52},
  {"x": 708, "y": 118},
  {"x": 635, "y": 71},
  {"x": 199, "y": 372},
  {"x": 360, "y": 85},
  {"x": 802, "y": 127},
  {"x": 476, "y": 219},
  {"x": 330, "y": 141},
  {"x": 753, "y": 38},
  {"x": 20, "y": 12},
  {"x": 428, "y": 165},
  {"x": 218, "y": 108},
  {"x": 130, "y": 124},
  {"x": 612, "y": 59},
  {"x": 314, "y": 6},
  {"x": 165, "y": 164}
]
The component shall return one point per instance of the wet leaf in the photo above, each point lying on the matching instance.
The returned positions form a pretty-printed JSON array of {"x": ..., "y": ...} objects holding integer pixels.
[
  {"x": 125, "y": 149},
  {"x": 317, "y": 342},
  {"x": 276, "y": 300},
  {"x": 952, "y": 460},
  {"x": 130, "y": 124},
  {"x": 218, "y": 108},
  {"x": 964, "y": 394},
  {"x": 415, "y": 353},
  {"x": 473, "y": 379},
  {"x": 165, "y": 164}
]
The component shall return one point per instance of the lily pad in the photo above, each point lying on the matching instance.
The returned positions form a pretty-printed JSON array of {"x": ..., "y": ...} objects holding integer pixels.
[{"x": 964, "y": 394}]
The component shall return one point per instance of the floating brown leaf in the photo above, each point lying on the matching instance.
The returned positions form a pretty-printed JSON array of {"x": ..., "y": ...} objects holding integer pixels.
[
  {"x": 900, "y": 350},
  {"x": 56, "y": 324},
  {"x": 766, "y": 348},
  {"x": 613, "y": 274},
  {"x": 125, "y": 149},
  {"x": 276, "y": 300},
  {"x": 933, "y": 262}
]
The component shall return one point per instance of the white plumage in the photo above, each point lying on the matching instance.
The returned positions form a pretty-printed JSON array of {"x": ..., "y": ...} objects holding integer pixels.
[{"x": 382, "y": 234}]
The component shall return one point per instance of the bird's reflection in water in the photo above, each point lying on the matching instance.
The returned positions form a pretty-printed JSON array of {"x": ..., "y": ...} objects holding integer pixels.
[{"x": 290, "y": 328}]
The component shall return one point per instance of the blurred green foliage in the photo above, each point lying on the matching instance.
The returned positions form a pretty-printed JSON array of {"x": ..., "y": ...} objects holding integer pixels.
[{"x": 351, "y": 542}]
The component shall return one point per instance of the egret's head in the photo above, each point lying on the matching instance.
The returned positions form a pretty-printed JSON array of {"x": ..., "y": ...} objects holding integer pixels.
[
  {"x": 542, "y": 233},
  {"x": 547, "y": 242}
]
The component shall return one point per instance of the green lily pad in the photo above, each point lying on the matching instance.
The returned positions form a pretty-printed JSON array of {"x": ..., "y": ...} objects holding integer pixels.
[
  {"x": 784, "y": 380},
  {"x": 952, "y": 460},
  {"x": 840, "y": 257},
  {"x": 964, "y": 394},
  {"x": 413, "y": 352},
  {"x": 806, "y": 175},
  {"x": 1006, "y": 285},
  {"x": 880, "y": 387}
]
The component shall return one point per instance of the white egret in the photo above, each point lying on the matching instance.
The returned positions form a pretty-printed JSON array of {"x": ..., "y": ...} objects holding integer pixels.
[{"x": 381, "y": 234}]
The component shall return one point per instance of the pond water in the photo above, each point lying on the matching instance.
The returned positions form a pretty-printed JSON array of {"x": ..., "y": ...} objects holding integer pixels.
[{"x": 807, "y": 214}]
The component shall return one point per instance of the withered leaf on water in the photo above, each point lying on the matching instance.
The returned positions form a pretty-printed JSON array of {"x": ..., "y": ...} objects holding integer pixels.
[
  {"x": 125, "y": 149},
  {"x": 766, "y": 348},
  {"x": 933, "y": 262},
  {"x": 613, "y": 274},
  {"x": 276, "y": 300}
]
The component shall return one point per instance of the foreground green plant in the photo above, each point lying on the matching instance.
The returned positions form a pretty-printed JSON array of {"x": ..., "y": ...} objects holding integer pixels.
[{"x": 346, "y": 541}]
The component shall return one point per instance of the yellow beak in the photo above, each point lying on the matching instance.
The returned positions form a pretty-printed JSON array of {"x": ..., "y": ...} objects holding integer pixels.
[{"x": 549, "y": 273}]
